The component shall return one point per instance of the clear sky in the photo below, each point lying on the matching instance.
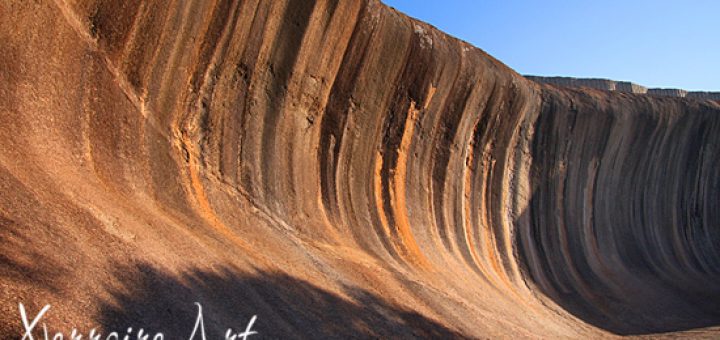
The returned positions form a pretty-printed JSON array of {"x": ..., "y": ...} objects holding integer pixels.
[{"x": 655, "y": 43}]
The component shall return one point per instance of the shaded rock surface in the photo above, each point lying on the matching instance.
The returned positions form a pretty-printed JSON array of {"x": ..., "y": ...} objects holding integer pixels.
[{"x": 339, "y": 170}]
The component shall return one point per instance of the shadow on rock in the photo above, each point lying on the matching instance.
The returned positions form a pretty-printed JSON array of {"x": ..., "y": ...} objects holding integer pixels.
[
  {"x": 285, "y": 307},
  {"x": 609, "y": 240}
]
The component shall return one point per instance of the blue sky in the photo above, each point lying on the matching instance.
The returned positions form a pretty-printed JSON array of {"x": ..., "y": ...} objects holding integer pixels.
[{"x": 659, "y": 43}]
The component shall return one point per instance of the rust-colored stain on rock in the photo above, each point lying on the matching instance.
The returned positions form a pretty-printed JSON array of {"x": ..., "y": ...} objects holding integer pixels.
[{"x": 341, "y": 171}]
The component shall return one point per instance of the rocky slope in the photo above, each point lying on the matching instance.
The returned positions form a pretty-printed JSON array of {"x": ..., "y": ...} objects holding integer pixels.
[{"x": 339, "y": 170}]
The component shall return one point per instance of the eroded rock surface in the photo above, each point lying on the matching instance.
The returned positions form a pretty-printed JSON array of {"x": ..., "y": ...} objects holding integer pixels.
[{"x": 339, "y": 170}]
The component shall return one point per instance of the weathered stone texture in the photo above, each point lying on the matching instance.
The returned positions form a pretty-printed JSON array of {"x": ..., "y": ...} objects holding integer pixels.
[{"x": 341, "y": 171}]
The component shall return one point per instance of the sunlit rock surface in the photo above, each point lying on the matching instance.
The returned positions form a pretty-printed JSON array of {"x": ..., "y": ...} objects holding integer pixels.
[
  {"x": 339, "y": 170},
  {"x": 623, "y": 86}
]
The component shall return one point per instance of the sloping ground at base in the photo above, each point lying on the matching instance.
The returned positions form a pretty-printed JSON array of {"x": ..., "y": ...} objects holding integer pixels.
[{"x": 338, "y": 170}]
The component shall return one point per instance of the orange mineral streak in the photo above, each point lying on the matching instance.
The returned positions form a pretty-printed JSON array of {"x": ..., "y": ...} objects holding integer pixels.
[
  {"x": 206, "y": 210},
  {"x": 398, "y": 198},
  {"x": 378, "y": 186},
  {"x": 469, "y": 226},
  {"x": 341, "y": 171}
]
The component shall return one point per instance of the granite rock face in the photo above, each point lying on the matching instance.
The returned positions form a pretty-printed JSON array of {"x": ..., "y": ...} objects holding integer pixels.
[
  {"x": 339, "y": 170},
  {"x": 623, "y": 86},
  {"x": 704, "y": 95},
  {"x": 594, "y": 83}
]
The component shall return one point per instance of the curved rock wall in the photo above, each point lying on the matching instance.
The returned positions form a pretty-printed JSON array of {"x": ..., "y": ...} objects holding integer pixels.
[
  {"x": 620, "y": 226},
  {"x": 340, "y": 170}
]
